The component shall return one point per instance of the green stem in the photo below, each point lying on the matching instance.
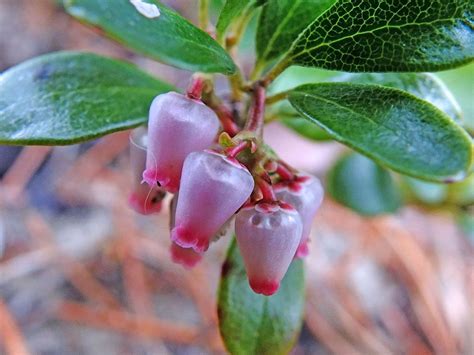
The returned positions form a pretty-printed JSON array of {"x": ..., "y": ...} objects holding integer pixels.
[
  {"x": 276, "y": 98},
  {"x": 239, "y": 28},
  {"x": 204, "y": 14},
  {"x": 257, "y": 71},
  {"x": 275, "y": 71}
]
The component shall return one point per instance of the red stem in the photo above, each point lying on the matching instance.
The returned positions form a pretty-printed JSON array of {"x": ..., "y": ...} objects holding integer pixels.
[
  {"x": 267, "y": 191},
  {"x": 284, "y": 172},
  {"x": 234, "y": 151},
  {"x": 257, "y": 111},
  {"x": 195, "y": 88},
  {"x": 228, "y": 124}
]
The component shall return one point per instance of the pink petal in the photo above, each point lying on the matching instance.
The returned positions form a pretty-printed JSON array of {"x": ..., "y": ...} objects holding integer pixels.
[
  {"x": 267, "y": 239},
  {"x": 212, "y": 190},
  {"x": 177, "y": 126}
]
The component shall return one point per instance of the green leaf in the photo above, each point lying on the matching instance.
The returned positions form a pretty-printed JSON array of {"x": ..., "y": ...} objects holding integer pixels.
[
  {"x": 394, "y": 128},
  {"x": 425, "y": 86},
  {"x": 363, "y": 186},
  {"x": 459, "y": 82},
  {"x": 388, "y": 35},
  {"x": 305, "y": 128},
  {"x": 231, "y": 10},
  {"x": 282, "y": 21},
  {"x": 256, "y": 324},
  {"x": 69, "y": 97},
  {"x": 168, "y": 38}
]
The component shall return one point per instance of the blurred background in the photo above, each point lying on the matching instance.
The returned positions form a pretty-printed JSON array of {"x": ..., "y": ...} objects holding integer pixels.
[{"x": 80, "y": 273}]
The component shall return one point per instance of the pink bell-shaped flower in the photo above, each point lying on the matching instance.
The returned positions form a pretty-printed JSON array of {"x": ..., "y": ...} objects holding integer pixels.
[
  {"x": 177, "y": 126},
  {"x": 184, "y": 256},
  {"x": 305, "y": 194},
  {"x": 143, "y": 198},
  {"x": 212, "y": 189},
  {"x": 268, "y": 236}
]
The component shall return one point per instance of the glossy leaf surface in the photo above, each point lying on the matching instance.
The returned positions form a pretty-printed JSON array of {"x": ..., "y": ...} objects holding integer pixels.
[
  {"x": 390, "y": 126},
  {"x": 282, "y": 21},
  {"x": 388, "y": 36},
  {"x": 168, "y": 38},
  {"x": 69, "y": 97},
  {"x": 255, "y": 324}
]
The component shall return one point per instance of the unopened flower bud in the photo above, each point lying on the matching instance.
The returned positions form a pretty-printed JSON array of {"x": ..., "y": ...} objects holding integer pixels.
[
  {"x": 177, "y": 126},
  {"x": 305, "y": 194},
  {"x": 143, "y": 198},
  {"x": 212, "y": 189},
  {"x": 268, "y": 236}
]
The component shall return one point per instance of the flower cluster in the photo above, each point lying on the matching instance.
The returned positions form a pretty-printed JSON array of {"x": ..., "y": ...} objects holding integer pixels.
[{"x": 216, "y": 179}]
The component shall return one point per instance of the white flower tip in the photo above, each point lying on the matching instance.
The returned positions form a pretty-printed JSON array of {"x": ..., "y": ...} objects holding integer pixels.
[{"x": 146, "y": 9}]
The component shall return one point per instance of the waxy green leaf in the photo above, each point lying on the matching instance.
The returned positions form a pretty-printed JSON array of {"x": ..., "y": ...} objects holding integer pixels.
[
  {"x": 392, "y": 127},
  {"x": 388, "y": 36},
  {"x": 69, "y": 97},
  {"x": 425, "y": 86},
  {"x": 305, "y": 128},
  {"x": 363, "y": 186},
  {"x": 168, "y": 38},
  {"x": 281, "y": 22},
  {"x": 256, "y": 324}
]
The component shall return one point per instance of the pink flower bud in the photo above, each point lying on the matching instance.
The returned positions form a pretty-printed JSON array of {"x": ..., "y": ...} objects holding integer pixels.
[
  {"x": 184, "y": 256},
  {"x": 268, "y": 236},
  {"x": 305, "y": 194},
  {"x": 177, "y": 126},
  {"x": 143, "y": 198},
  {"x": 212, "y": 189}
]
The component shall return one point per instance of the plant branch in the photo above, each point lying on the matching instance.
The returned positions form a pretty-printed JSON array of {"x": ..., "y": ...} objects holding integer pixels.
[
  {"x": 275, "y": 71},
  {"x": 239, "y": 28},
  {"x": 204, "y": 14},
  {"x": 223, "y": 113},
  {"x": 276, "y": 98},
  {"x": 257, "y": 111}
]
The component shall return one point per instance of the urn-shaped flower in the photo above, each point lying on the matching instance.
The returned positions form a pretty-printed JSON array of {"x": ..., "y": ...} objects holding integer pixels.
[
  {"x": 212, "y": 189},
  {"x": 305, "y": 194},
  {"x": 177, "y": 126},
  {"x": 268, "y": 236},
  {"x": 143, "y": 198}
]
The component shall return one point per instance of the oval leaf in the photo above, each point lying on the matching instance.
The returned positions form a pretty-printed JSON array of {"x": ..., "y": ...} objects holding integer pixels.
[
  {"x": 390, "y": 126},
  {"x": 425, "y": 86},
  {"x": 358, "y": 183},
  {"x": 256, "y": 324},
  {"x": 168, "y": 38},
  {"x": 387, "y": 35},
  {"x": 69, "y": 97},
  {"x": 281, "y": 22}
]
